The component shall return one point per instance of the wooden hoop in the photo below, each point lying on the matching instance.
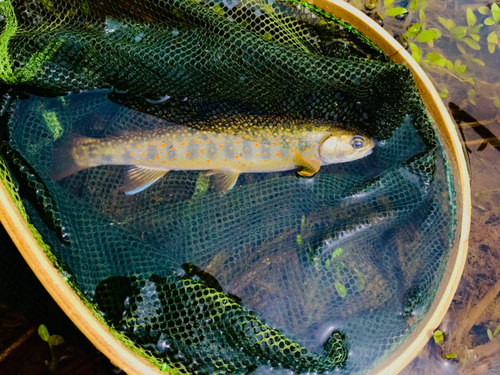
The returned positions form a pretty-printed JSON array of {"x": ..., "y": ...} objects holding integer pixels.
[{"x": 133, "y": 364}]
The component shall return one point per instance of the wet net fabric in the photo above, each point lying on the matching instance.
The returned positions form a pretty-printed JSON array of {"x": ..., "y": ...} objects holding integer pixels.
[{"x": 278, "y": 274}]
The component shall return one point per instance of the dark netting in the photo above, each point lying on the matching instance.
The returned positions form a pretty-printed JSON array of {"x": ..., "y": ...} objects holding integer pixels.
[{"x": 279, "y": 272}]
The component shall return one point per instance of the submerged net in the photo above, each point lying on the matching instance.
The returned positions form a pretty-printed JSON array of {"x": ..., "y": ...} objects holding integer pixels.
[{"x": 280, "y": 273}]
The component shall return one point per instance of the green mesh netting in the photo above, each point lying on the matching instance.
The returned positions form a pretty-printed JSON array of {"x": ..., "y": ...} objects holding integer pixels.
[{"x": 280, "y": 273}]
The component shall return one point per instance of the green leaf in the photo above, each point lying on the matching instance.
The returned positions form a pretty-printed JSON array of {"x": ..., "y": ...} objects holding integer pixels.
[
  {"x": 476, "y": 28},
  {"x": 413, "y": 5},
  {"x": 444, "y": 93},
  {"x": 479, "y": 62},
  {"x": 495, "y": 11},
  {"x": 471, "y": 93},
  {"x": 437, "y": 32},
  {"x": 393, "y": 12},
  {"x": 446, "y": 23},
  {"x": 475, "y": 37},
  {"x": 55, "y": 340},
  {"x": 489, "y": 21},
  {"x": 496, "y": 100},
  {"x": 414, "y": 29},
  {"x": 461, "y": 48},
  {"x": 421, "y": 14},
  {"x": 388, "y": 3},
  {"x": 436, "y": 58},
  {"x": 438, "y": 336},
  {"x": 449, "y": 64},
  {"x": 491, "y": 47},
  {"x": 449, "y": 355},
  {"x": 471, "y": 17},
  {"x": 459, "y": 67},
  {"x": 341, "y": 289},
  {"x": 492, "y": 37},
  {"x": 53, "y": 364},
  {"x": 415, "y": 52},
  {"x": 458, "y": 32},
  {"x": 426, "y": 36},
  {"x": 423, "y": 4},
  {"x": 484, "y": 10},
  {"x": 43, "y": 332},
  {"x": 472, "y": 44},
  {"x": 490, "y": 334}
]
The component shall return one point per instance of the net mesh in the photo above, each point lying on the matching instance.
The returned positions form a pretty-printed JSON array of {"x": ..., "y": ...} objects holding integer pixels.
[{"x": 278, "y": 274}]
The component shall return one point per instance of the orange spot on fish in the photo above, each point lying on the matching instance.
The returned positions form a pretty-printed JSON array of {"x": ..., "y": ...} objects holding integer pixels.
[
  {"x": 208, "y": 140},
  {"x": 246, "y": 136},
  {"x": 138, "y": 146},
  {"x": 183, "y": 143},
  {"x": 265, "y": 153},
  {"x": 152, "y": 143},
  {"x": 174, "y": 136},
  {"x": 296, "y": 141},
  {"x": 132, "y": 154},
  {"x": 247, "y": 149},
  {"x": 196, "y": 141},
  {"x": 257, "y": 155},
  {"x": 173, "y": 148},
  {"x": 208, "y": 161},
  {"x": 238, "y": 142},
  {"x": 287, "y": 140},
  {"x": 292, "y": 151},
  {"x": 274, "y": 143},
  {"x": 265, "y": 159},
  {"x": 278, "y": 154},
  {"x": 143, "y": 154},
  {"x": 256, "y": 145},
  {"x": 314, "y": 144},
  {"x": 163, "y": 145},
  {"x": 225, "y": 159},
  {"x": 221, "y": 146},
  {"x": 202, "y": 151},
  {"x": 174, "y": 159},
  {"x": 187, "y": 154},
  {"x": 157, "y": 156},
  {"x": 237, "y": 156},
  {"x": 123, "y": 151},
  {"x": 251, "y": 162},
  {"x": 307, "y": 149}
]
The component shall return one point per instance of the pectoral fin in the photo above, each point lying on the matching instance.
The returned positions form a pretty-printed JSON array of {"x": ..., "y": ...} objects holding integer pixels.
[
  {"x": 138, "y": 178},
  {"x": 306, "y": 168},
  {"x": 225, "y": 179}
]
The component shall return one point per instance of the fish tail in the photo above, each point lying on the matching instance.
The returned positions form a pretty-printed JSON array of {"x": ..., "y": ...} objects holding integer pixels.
[{"x": 63, "y": 159}]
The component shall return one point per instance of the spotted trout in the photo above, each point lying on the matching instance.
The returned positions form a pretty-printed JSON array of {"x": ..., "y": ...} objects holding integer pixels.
[{"x": 225, "y": 147}]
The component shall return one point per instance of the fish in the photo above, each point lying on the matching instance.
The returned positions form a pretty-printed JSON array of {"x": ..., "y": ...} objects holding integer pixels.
[{"x": 224, "y": 147}]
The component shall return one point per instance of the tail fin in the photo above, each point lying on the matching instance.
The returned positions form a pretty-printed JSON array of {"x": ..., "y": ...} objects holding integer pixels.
[{"x": 63, "y": 160}]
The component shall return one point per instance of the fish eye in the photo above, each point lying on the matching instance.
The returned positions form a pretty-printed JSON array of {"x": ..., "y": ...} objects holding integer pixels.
[{"x": 357, "y": 142}]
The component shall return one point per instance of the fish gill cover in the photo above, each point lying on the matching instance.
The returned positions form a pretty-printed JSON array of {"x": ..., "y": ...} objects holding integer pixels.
[{"x": 313, "y": 271}]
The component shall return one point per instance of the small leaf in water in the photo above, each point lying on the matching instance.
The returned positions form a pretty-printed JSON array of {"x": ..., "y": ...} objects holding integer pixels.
[
  {"x": 413, "y": 4},
  {"x": 491, "y": 47},
  {"x": 492, "y": 37},
  {"x": 55, "y": 340},
  {"x": 475, "y": 37},
  {"x": 490, "y": 334},
  {"x": 496, "y": 100},
  {"x": 458, "y": 32},
  {"x": 471, "y": 17},
  {"x": 471, "y": 93},
  {"x": 444, "y": 93},
  {"x": 489, "y": 21},
  {"x": 449, "y": 64},
  {"x": 484, "y": 10},
  {"x": 472, "y": 44},
  {"x": 414, "y": 29},
  {"x": 164, "y": 367},
  {"x": 43, "y": 332},
  {"x": 393, "y": 12},
  {"x": 415, "y": 52},
  {"x": 449, "y": 355},
  {"x": 495, "y": 11},
  {"x": 53, "y": 364},
  {"x": 479, "y": 62},
  {"x": 438, "y": 336},
  {"x": 437, "y": 33},
  {"x": 341, "y": 289},
  {"x": 459, "y": 67},
  {"x": 476, "y": 28},
  {"x": 426, "y": 36},
  {"x": 436, "y": 58},
  {"x": 461, "y": 48},
  {"x": 446, "y": 23},
  {"x": 388, "y": 3},
  {"x": 421, "y": 14}
]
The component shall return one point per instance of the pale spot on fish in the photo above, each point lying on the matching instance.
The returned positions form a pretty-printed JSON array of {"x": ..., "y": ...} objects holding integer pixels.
[
  {"x": 230, "y": 148},
  {"x": 123, "y": 151}
]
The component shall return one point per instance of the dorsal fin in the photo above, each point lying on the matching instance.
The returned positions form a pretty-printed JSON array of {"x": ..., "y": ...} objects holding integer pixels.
[
  {"x": 306, "y": 168},
  {"x": 138, "y": 178}
]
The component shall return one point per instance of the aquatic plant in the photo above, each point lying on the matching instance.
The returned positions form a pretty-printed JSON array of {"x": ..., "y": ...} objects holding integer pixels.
[{"x": 52, "y": 340}]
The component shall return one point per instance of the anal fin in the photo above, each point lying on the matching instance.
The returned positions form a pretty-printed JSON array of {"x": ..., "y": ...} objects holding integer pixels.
[
  {"x": 306, "y": 168},
  {"x": 138, "y": 178},
  {"x": 225, "y": 179}
]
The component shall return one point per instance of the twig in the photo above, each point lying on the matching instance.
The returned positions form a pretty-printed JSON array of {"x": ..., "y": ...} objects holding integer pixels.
[{"x": 16, "y": 344}]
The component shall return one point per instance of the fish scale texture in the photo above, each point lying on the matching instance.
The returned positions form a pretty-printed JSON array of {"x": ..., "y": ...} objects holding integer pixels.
[{"x": 280, "y": 273}]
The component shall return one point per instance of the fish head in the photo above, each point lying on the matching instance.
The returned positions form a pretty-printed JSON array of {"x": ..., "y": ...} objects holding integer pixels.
[{"x": 343, "y": 146}]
